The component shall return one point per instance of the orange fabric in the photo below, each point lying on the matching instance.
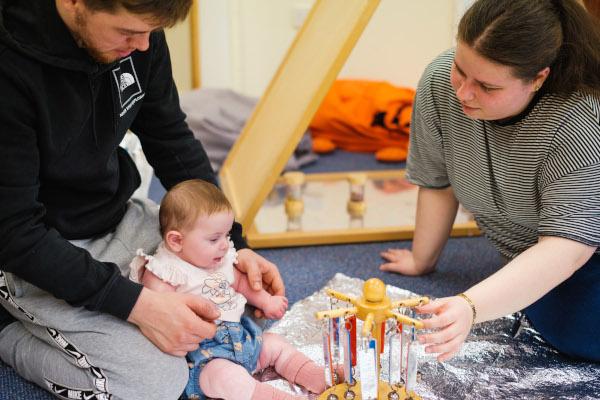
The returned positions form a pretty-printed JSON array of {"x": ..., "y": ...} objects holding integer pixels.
[
  {"x": 391, "y": 154},
  {"x": 322, "y": 145},
  {"x": 364, "y": 116}
]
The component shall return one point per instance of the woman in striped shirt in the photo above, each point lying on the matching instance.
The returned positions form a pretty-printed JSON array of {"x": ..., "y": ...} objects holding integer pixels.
[{"x": 508, "y": 125}]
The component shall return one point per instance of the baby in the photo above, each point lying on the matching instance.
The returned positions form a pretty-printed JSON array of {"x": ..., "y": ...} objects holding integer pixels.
[{"x": 197, "y": 256}]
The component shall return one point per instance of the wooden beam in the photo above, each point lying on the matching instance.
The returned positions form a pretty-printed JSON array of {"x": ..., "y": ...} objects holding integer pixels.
[{"x": 195, "y": 44}]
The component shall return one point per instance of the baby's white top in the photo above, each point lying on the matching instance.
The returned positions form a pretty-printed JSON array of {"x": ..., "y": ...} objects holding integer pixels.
[{"x": 214, "y": 283}]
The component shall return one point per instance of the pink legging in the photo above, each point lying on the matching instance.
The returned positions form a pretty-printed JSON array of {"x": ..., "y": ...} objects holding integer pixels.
[{"x": 224, "y": 379}]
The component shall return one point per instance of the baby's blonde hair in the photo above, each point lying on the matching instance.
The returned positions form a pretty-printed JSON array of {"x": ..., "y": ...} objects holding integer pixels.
[{"x": 189, "y": 200}]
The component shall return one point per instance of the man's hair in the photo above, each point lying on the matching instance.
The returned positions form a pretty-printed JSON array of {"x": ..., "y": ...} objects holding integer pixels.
[
  {"x": 166, "y": 12},
  {"x": 189, "y": 200}
]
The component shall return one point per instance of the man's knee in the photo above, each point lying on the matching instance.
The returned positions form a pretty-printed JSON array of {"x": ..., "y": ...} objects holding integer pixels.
[{"x": 159, "y": 376}]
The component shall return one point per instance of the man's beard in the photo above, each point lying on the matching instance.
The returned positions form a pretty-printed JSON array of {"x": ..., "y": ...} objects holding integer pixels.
[{"x": 82, "y": 40}]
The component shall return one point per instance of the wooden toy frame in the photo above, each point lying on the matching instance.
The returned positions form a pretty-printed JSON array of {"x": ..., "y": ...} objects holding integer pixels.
[
  {"x": 282, "y": 115},
  {"x": 259, "y": 239}
]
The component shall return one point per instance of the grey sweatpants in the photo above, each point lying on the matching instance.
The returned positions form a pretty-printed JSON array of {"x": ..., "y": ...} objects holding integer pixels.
[{"x": 79, "y": 354}]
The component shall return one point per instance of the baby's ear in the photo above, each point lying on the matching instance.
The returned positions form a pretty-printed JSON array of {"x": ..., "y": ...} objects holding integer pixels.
[{"x": 174, "y": 240}]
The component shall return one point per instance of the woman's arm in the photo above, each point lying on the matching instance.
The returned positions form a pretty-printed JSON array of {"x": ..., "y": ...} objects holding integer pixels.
[
  {"x": 528, "y": 277},
  {"x": 436, "y": 211},
  {"x": 520, "y": 283}
]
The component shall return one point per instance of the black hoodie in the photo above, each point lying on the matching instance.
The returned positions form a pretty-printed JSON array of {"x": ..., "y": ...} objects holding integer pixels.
[{"x": 62, "y": 174}]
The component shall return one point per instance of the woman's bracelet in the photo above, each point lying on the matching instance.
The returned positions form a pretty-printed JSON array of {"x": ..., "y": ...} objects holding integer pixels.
[{"x": 468, "y": 300}]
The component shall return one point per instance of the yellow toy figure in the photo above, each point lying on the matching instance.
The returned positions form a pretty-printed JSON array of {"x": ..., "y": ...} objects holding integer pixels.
[{"x": 374, "y": 308}]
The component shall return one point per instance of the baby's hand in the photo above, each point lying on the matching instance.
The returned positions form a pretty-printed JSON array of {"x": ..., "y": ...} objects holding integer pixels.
[{"x": 276, "y": 307}]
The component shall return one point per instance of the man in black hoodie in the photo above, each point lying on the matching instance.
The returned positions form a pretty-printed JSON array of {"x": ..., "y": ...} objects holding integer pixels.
[{"x": 75, "y": 76}]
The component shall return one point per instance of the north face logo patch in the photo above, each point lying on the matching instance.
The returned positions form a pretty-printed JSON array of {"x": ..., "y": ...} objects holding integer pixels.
[
  {"x": 126, "y": 80},
  {"x": 128, "y": 85}
]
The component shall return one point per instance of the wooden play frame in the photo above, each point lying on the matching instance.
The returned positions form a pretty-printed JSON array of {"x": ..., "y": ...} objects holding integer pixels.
[
  {"x": 282, "y": 115},
  {"x": 305, "y": 238}
]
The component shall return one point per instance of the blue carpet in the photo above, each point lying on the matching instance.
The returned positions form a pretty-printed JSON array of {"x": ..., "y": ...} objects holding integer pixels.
[{"x": 464, "y": 262}]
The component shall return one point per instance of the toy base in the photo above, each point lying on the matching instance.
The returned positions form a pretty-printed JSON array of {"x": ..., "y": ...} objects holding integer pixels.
[{"x": 385, "y": 392}]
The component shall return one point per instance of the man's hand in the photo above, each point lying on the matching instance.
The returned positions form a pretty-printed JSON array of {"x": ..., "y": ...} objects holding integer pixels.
[
  {"x": 261, "y": 274},
  {"x": 174, "y": 322}
]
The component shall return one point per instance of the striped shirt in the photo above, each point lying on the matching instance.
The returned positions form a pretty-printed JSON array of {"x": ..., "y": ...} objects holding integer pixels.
[{"x": 538, "y": 176}]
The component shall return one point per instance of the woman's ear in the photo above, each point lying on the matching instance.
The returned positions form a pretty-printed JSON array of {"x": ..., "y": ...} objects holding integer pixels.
[
  {"x": 174, "y": 241},
  {"x": 540, "y": 78}
]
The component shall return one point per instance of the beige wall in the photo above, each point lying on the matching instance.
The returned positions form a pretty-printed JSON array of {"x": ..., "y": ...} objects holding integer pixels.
[
  {"x": 243, "y": 41},
  {"x": 179, "y": 40},
  {"x": 401, "y": 39}
]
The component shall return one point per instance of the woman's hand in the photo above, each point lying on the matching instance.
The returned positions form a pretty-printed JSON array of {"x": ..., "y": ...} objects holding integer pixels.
[
  {"x": 452, "y": 320},
  {"x": 436, "y": 211},
  {"x": 403, "y": 262}
]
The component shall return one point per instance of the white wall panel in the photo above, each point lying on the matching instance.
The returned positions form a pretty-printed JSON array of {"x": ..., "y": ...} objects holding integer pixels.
[{"x": 243, "y": 41}]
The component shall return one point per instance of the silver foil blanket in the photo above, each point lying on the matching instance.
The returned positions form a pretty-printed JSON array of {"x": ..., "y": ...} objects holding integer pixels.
[{"x": 501, "y": 359}]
